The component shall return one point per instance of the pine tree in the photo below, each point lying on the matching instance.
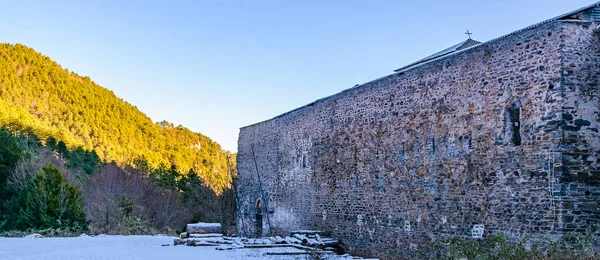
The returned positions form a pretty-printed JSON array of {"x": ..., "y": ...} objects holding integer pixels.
[
  {"x": 48, "y": 201},
  {"x": 10, "y": 153}
]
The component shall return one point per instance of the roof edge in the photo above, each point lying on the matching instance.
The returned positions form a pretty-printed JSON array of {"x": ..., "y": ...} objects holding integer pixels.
[
  {"x": 409, "y": 67},
  {"x": 563, "y": 16},
  {"x": 457, "y": 47}
]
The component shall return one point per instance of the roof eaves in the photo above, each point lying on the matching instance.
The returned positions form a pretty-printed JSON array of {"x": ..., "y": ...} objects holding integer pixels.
[{"x": 563, "y": 16}]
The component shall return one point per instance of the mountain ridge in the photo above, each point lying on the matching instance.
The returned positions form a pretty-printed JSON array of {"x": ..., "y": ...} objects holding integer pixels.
[{"x": 38, "y": 95}]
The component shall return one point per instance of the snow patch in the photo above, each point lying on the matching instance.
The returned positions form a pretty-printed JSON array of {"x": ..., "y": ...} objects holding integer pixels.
[{"x": 33, "y": 236}]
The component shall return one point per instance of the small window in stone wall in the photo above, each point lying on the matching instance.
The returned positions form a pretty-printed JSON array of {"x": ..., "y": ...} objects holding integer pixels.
[
  {"x": 303, "y": 160},
  {"x": 512, "y": 122},
  {"x": 292, "y": 161}
]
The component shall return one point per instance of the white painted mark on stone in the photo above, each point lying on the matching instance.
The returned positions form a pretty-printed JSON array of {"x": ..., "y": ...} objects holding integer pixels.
[
  {"x": 324, "y": 215},
  {"x": 444, "y": 219},
  {"x": 389, "y": 220},
  {"x": 359, "y": 220},
  {"x": 477, "y": 231},
  {"x": 406, "y": 225}
]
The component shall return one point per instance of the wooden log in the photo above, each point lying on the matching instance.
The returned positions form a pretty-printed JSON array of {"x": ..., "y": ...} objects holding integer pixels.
[
  {"x": 311, "y": 233},
  {"x": 279, "y": 240},
  {"x": 194, "y": 242},
  {"x": 287, "y": 253},
  {"x": 198, "y": 243},
  {"x": 210, "y": 235},
  {"x": 179, "y": 241},
  {"x": 267, "y": 246},
  {"x": 228, "y": 242},
  {"x": 292, "y": 240},
  {"x": 204, "y": 228},
  {"x": 191, "y": 242},
  {"x": 331, "y": 243}
]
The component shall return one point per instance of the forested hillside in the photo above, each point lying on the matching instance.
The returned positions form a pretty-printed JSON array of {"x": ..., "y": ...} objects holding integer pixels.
[
  {"x": 38, "y": 96},
  {"x": 50, "y": 189}
]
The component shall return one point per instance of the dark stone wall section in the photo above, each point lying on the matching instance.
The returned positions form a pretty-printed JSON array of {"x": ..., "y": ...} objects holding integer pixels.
[
  {"x": 578, "y": 194},
  {"x": 501, "y": 138}
]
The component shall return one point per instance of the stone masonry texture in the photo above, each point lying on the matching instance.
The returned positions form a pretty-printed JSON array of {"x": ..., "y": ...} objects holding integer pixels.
[{"x": 504, "y": 135}]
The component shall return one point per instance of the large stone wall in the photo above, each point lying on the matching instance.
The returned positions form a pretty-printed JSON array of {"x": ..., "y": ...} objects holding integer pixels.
[{"x": 504, "y": 135}]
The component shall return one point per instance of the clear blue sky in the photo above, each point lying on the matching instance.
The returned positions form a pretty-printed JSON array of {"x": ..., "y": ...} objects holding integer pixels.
[{"x": 215, "y": 66}]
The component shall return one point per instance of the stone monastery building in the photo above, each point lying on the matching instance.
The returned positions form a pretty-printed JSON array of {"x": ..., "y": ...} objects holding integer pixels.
[{"x": 500, "y": 136}]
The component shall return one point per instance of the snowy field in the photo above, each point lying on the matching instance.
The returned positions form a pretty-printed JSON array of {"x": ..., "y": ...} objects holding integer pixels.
[{"x": 127, "y": 247}]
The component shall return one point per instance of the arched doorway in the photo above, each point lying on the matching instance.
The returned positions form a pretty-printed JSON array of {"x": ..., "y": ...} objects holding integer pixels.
[{"x": 258, "y": 227}]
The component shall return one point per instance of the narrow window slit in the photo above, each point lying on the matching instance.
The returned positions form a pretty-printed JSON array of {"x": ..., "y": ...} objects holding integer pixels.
[
  {"x": 470, "y": 141},
  {"x": 304, "y": 161},
  {"x": 513, "y": 121}
]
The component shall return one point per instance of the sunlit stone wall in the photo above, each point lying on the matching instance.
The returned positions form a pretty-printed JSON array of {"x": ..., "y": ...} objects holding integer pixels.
[{"x": 500, "y": 138}]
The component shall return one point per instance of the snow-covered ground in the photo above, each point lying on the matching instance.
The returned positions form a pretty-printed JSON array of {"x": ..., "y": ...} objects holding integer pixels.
[{"x": 125, "y": 247}]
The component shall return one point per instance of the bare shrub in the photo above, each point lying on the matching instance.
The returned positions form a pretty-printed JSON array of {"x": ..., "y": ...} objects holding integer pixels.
[
  {"x": 121, "y": 202},
  {"x": 228, "y": 206},
  {"x": 166, "y": 208},
  {"x": 27, "y": 167}
]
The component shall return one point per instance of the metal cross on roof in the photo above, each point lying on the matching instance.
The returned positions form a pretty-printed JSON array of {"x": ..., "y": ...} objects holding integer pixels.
[{"x": 469, "y": 34}]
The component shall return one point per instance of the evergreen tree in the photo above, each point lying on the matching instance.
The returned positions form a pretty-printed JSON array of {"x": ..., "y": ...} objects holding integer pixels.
[
  {"x": 48, "y": 201},
  {"x": 10, "y": 153}
]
